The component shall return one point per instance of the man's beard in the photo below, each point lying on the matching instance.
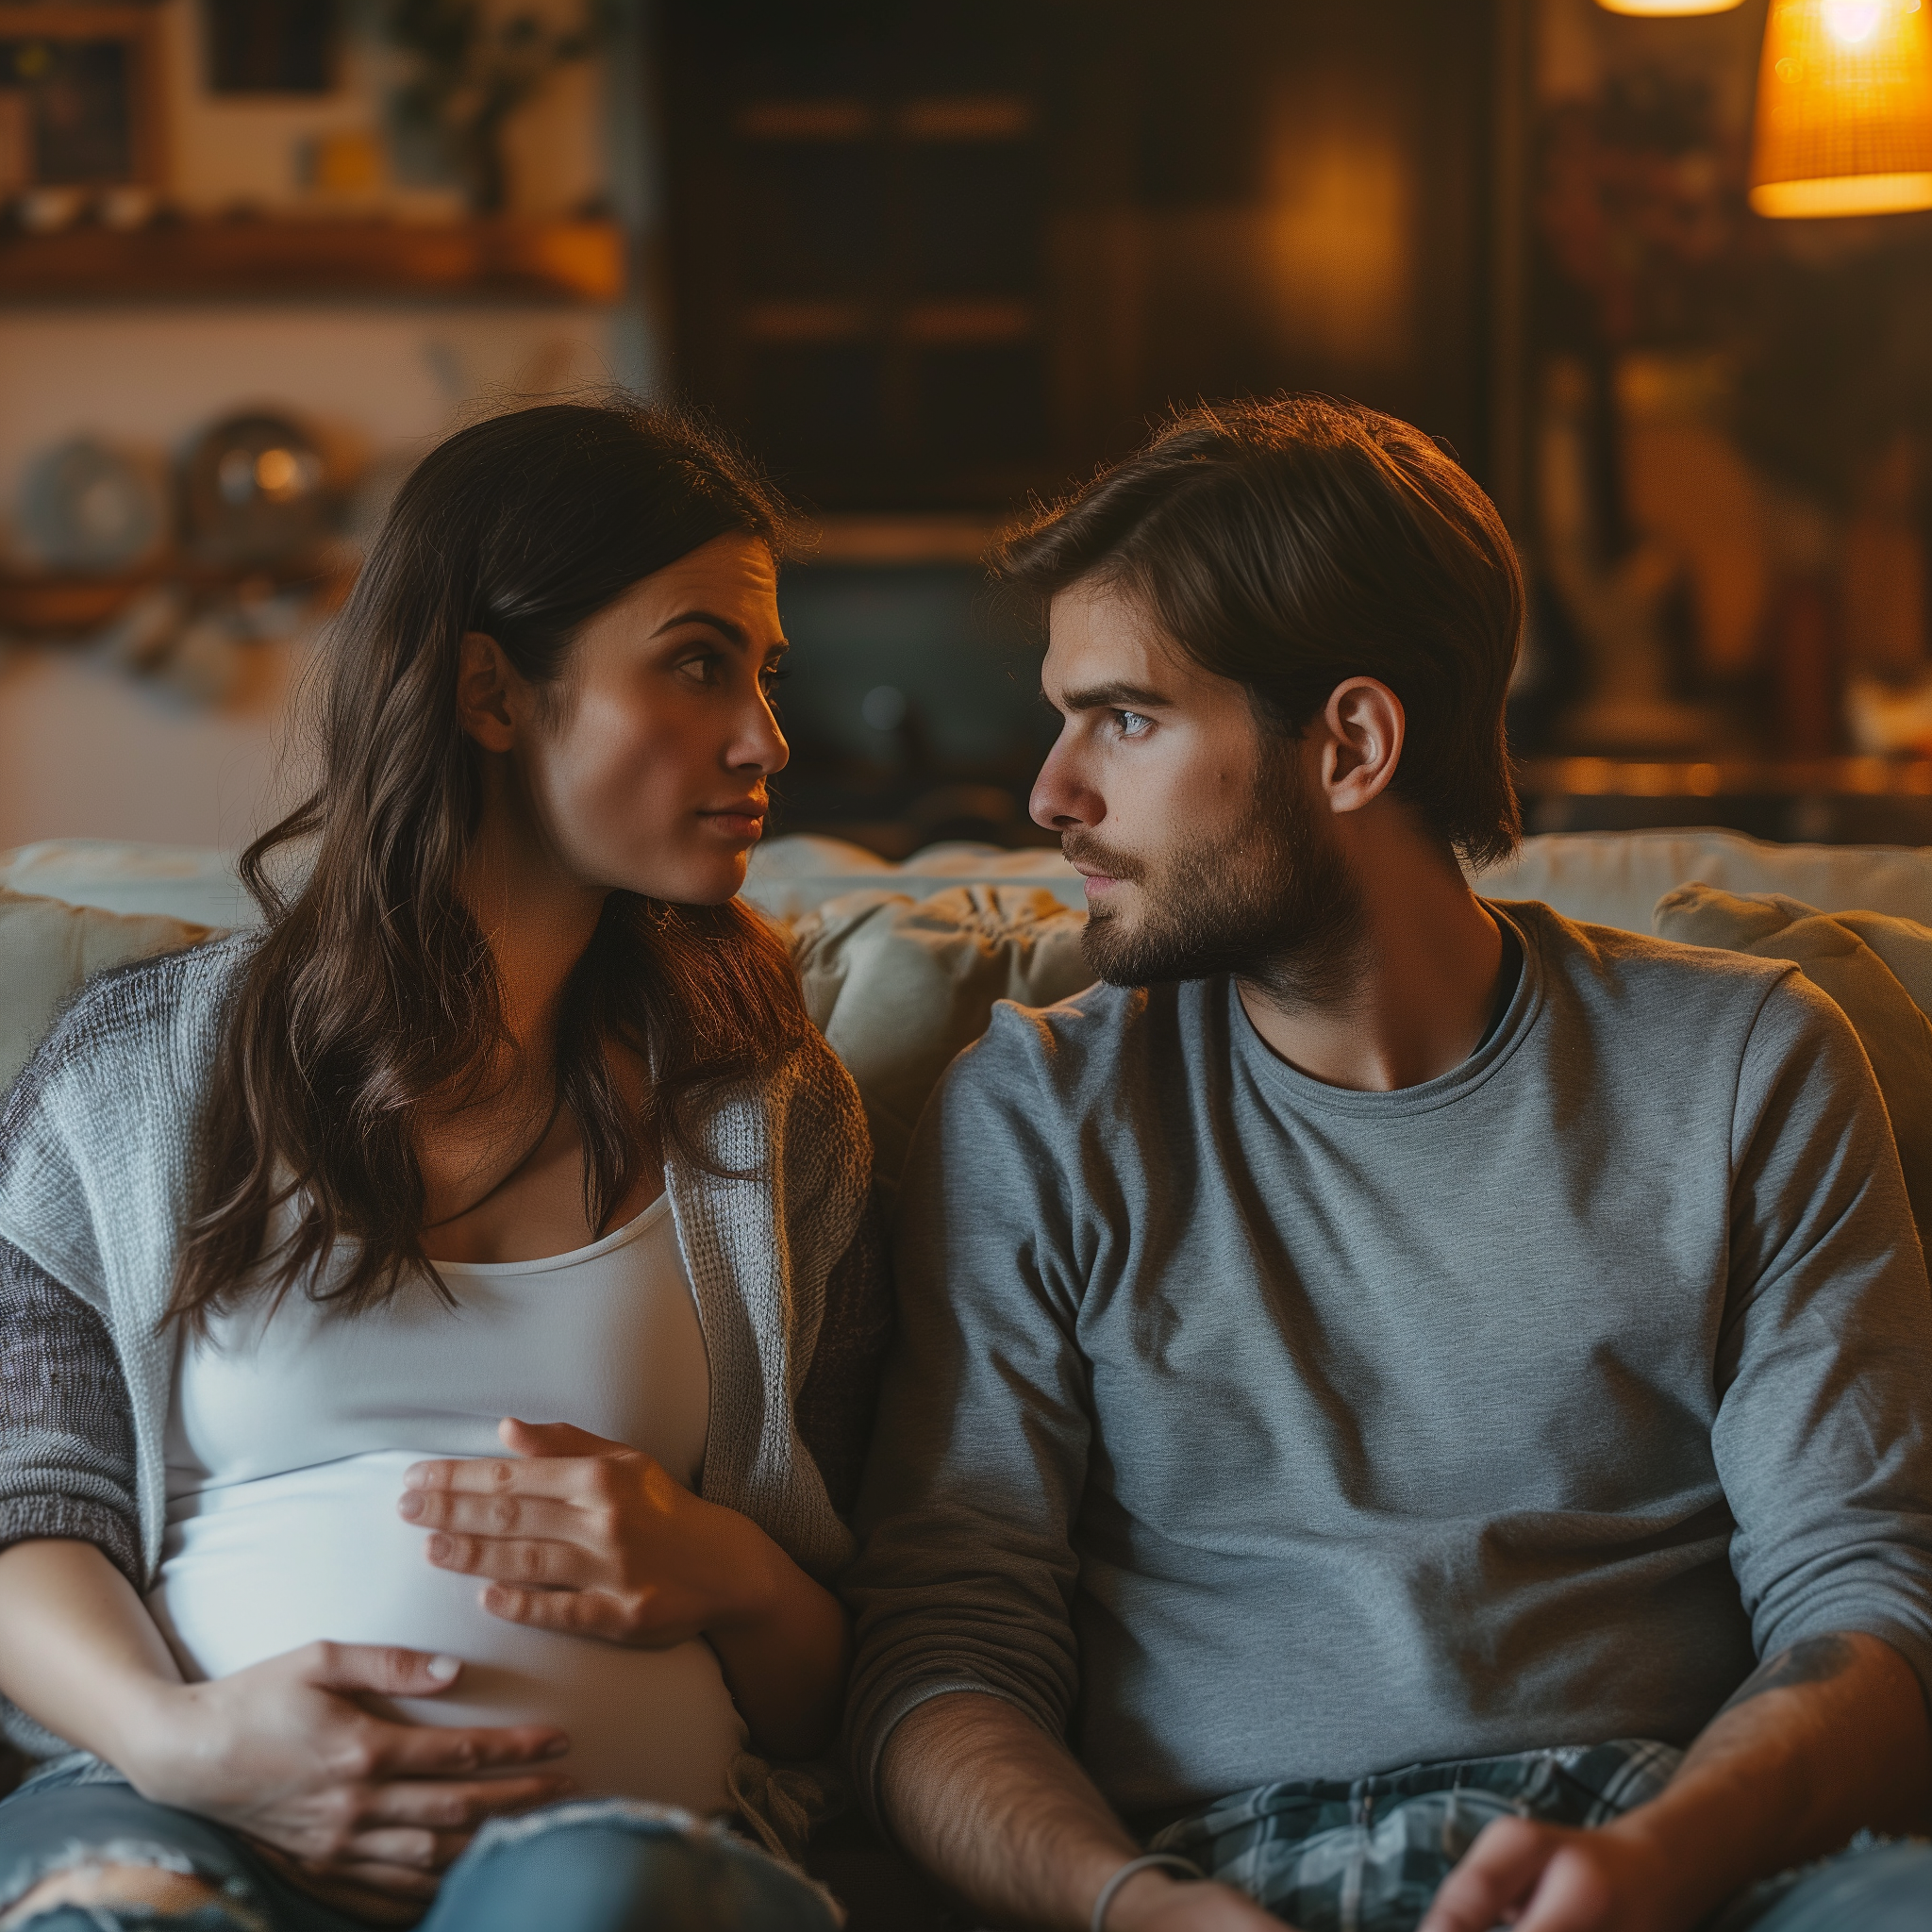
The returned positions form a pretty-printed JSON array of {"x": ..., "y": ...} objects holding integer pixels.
[{"x": 1275, "y": 904}]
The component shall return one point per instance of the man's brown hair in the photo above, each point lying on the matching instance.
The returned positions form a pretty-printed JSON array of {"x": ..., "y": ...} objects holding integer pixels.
[{"x": 1292, "y": 543}]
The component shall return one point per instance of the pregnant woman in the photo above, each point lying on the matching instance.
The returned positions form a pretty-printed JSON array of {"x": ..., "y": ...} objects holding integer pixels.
[{"x": 438, "y": 1330}]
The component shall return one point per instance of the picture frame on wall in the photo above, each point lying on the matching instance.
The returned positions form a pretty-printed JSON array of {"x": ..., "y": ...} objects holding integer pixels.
[
  {"x": 271, "y": 46},
  {"x": 81, "y": 98}
]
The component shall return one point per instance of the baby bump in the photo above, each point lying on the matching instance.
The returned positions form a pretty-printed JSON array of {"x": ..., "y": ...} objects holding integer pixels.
[{"x": 264, "y": 1567}]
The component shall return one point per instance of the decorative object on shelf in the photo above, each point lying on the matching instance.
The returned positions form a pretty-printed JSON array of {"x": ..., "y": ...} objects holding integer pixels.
[
  {"x": 1844, "y": 109},
  {"x": 256, "y": 490},
  {"x": 477, "y": 66},
  {"x": 196, "y": 643},
  {"x": 1886, "y": 717},
  {"x": 1616, "y": 604},
  {"x": 80, "y": 96},
  {"x": 126, "y": 207},
  {"x": 347, "y": 165},
  {"x": 271, "y": 46},
  {"x": 47, "y": 210},
  {"x": 90, "y": 507}
]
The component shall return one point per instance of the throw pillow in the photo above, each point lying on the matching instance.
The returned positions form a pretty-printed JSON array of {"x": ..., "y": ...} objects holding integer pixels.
[
  {"x": 899, "y": 986},
  {"x": 48, "y": 949},
  {"x": 1877, "y": 968}
]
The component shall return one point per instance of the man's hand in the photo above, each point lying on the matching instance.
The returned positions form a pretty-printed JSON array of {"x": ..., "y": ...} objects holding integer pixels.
[
  {"x": 1546, "y": 1878},
  {"x": 1158, "y": 1902},
  {"x": 356, "y": 1805}
]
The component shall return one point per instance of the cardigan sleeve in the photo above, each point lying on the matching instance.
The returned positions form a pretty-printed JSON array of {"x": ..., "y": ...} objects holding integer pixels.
[
  {"x": 835, "y": 1407},
  {"x": 66, "y": 1422}
]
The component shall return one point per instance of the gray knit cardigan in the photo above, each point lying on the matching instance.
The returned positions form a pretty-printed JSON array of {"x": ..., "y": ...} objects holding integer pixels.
[{"x": 98, "y": 1146}]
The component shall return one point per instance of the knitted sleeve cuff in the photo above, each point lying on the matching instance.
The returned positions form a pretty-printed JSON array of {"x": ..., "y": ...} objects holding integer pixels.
[{"x": 74, "y": 1519}]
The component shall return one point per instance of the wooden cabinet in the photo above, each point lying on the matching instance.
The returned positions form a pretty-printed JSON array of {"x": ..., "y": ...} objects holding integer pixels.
[{"x": 938, "y": 255}]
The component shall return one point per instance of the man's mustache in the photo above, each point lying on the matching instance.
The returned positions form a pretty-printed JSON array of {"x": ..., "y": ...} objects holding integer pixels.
[{"x": 1083, "y": 849}]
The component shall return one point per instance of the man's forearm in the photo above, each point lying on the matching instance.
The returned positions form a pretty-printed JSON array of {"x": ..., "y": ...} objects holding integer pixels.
[
  {"x": 981, "y": 1795},
  {"x": 985, "y": 1799},
  {"x": 1826, "y": 1738}
]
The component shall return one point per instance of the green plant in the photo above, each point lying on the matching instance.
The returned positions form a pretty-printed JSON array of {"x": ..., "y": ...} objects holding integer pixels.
[{"x": 476, "y": 65}]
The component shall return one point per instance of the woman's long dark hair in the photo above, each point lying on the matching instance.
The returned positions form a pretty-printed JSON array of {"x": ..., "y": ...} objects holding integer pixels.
[{"x": 373, "y": 988}]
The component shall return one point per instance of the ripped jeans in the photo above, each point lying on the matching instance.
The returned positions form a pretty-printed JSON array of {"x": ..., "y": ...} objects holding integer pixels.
[{"x": 585, "y": 1865}]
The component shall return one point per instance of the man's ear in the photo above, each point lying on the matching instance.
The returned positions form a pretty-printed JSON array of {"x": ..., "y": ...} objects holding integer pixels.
[
  {"x": 487, "y": 688},
  {"x": 1362, "y": 729}
]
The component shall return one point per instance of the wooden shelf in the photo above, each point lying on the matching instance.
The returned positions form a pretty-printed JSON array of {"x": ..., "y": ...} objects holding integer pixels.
[
  {"x": 53, "y": 606},
  {"x": 1727, "y": 777},
  {"x": 568, "y": 261}
]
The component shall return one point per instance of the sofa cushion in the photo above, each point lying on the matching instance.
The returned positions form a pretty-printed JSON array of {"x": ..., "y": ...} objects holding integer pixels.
[
  {"x": 898, "y": 986},
  {"x": 1880, "y": 971},
  {"x": 48, "y": 948},
  {"x": 195, "y": 883},
  {"x": 1614, "y": 878}
]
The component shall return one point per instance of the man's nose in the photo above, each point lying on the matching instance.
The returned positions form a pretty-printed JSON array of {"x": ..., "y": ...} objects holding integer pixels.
[{"x": 1060, "y": 801}]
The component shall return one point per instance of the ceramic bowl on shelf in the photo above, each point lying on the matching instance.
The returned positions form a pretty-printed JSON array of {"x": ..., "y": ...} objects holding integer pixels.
[
  {"x": 47, "y": 210},
  {"x": 93, "y": 508},
  {"x": 256, "y": 489},
  {"x": 127, "y": 206}
]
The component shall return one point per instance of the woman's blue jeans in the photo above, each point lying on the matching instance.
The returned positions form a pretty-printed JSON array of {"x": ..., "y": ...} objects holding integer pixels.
[{"x": 587, "y": 1865}]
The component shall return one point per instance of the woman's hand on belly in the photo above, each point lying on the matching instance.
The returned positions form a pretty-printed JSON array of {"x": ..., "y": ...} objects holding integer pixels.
[
  {"x": 591, "y": 1537},
  {"x": 357, "y": 1806},
  {"x": 597, "y": 1540}
]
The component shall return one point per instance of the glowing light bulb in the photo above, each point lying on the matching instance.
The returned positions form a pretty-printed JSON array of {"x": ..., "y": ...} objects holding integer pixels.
[{"x": 1853, "y": 21}]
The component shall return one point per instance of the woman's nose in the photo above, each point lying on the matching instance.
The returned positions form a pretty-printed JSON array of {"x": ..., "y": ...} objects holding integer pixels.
[{"x": 761, "y": 742}]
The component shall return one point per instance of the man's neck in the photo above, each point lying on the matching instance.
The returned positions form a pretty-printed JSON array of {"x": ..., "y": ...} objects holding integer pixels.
[{"x": 1429, "y": 966}]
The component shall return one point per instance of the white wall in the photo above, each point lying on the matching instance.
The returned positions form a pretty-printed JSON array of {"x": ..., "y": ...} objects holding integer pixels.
[{"x": 86, "y": 753}]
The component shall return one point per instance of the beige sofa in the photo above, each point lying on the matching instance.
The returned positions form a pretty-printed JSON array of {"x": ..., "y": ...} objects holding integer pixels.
[
  {"x": 901, "y": 964},
  {"x": 901, "y": 967}
]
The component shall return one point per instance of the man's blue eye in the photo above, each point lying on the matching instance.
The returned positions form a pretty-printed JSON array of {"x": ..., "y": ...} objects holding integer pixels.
[{"x": 1132, "y": 723}]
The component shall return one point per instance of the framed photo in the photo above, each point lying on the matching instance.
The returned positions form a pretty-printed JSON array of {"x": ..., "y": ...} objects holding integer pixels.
[
  {"x": 80, "y": 102},
  {"x": 271, "y": 46}
]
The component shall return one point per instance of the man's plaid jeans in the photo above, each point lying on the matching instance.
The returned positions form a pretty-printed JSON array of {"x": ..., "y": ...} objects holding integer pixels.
[{"x": 1366, "y": 1855}]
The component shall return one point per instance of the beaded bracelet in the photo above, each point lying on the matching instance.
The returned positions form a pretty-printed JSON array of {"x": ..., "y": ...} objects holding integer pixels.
[{"x": 1170, "y": 1860}]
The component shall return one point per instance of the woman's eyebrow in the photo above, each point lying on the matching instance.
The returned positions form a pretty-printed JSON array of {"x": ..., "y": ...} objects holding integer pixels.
[{"x": 732, "y": 633}]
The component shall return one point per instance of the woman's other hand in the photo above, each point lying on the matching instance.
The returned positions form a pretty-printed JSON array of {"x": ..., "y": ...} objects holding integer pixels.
[
  {"x": 589, "y": 1536},
  {"x": 592, "y": 1538},
  {"x": 357, "y": 1805}
]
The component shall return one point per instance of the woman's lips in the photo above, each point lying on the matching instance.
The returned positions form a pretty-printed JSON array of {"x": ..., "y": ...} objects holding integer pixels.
[{"x": 744, "y": 822}]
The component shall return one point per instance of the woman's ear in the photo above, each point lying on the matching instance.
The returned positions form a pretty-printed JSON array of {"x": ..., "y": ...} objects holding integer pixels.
[
  {"x": 487, "y": 688},
  {"x": 1362, "y": 725}
]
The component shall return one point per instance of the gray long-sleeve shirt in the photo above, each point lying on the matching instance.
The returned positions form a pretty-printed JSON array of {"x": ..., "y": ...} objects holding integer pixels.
[{"x": 1243, "y": 1427}]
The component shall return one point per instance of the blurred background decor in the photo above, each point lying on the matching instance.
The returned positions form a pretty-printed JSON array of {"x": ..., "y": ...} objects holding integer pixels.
[
  {"x": 475, "y": 65},
  {"x": 1727, "y": 303},
  {"x": 272, "y": 46},
  {"x": 80, "y": 102},
  {"x": 1659, "y": 281}
]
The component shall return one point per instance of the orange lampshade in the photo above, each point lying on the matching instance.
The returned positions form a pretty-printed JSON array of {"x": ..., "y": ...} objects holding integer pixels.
[
  {"x": 1844, "y": 109},
  {"x": 1675, "y": 8}
]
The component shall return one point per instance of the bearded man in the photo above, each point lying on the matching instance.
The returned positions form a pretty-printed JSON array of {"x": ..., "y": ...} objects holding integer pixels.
[{"x": 1408, "y": 1410}]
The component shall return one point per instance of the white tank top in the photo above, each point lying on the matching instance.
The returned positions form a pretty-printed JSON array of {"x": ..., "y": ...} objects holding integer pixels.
[{"x": 287, "y": 1441}]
